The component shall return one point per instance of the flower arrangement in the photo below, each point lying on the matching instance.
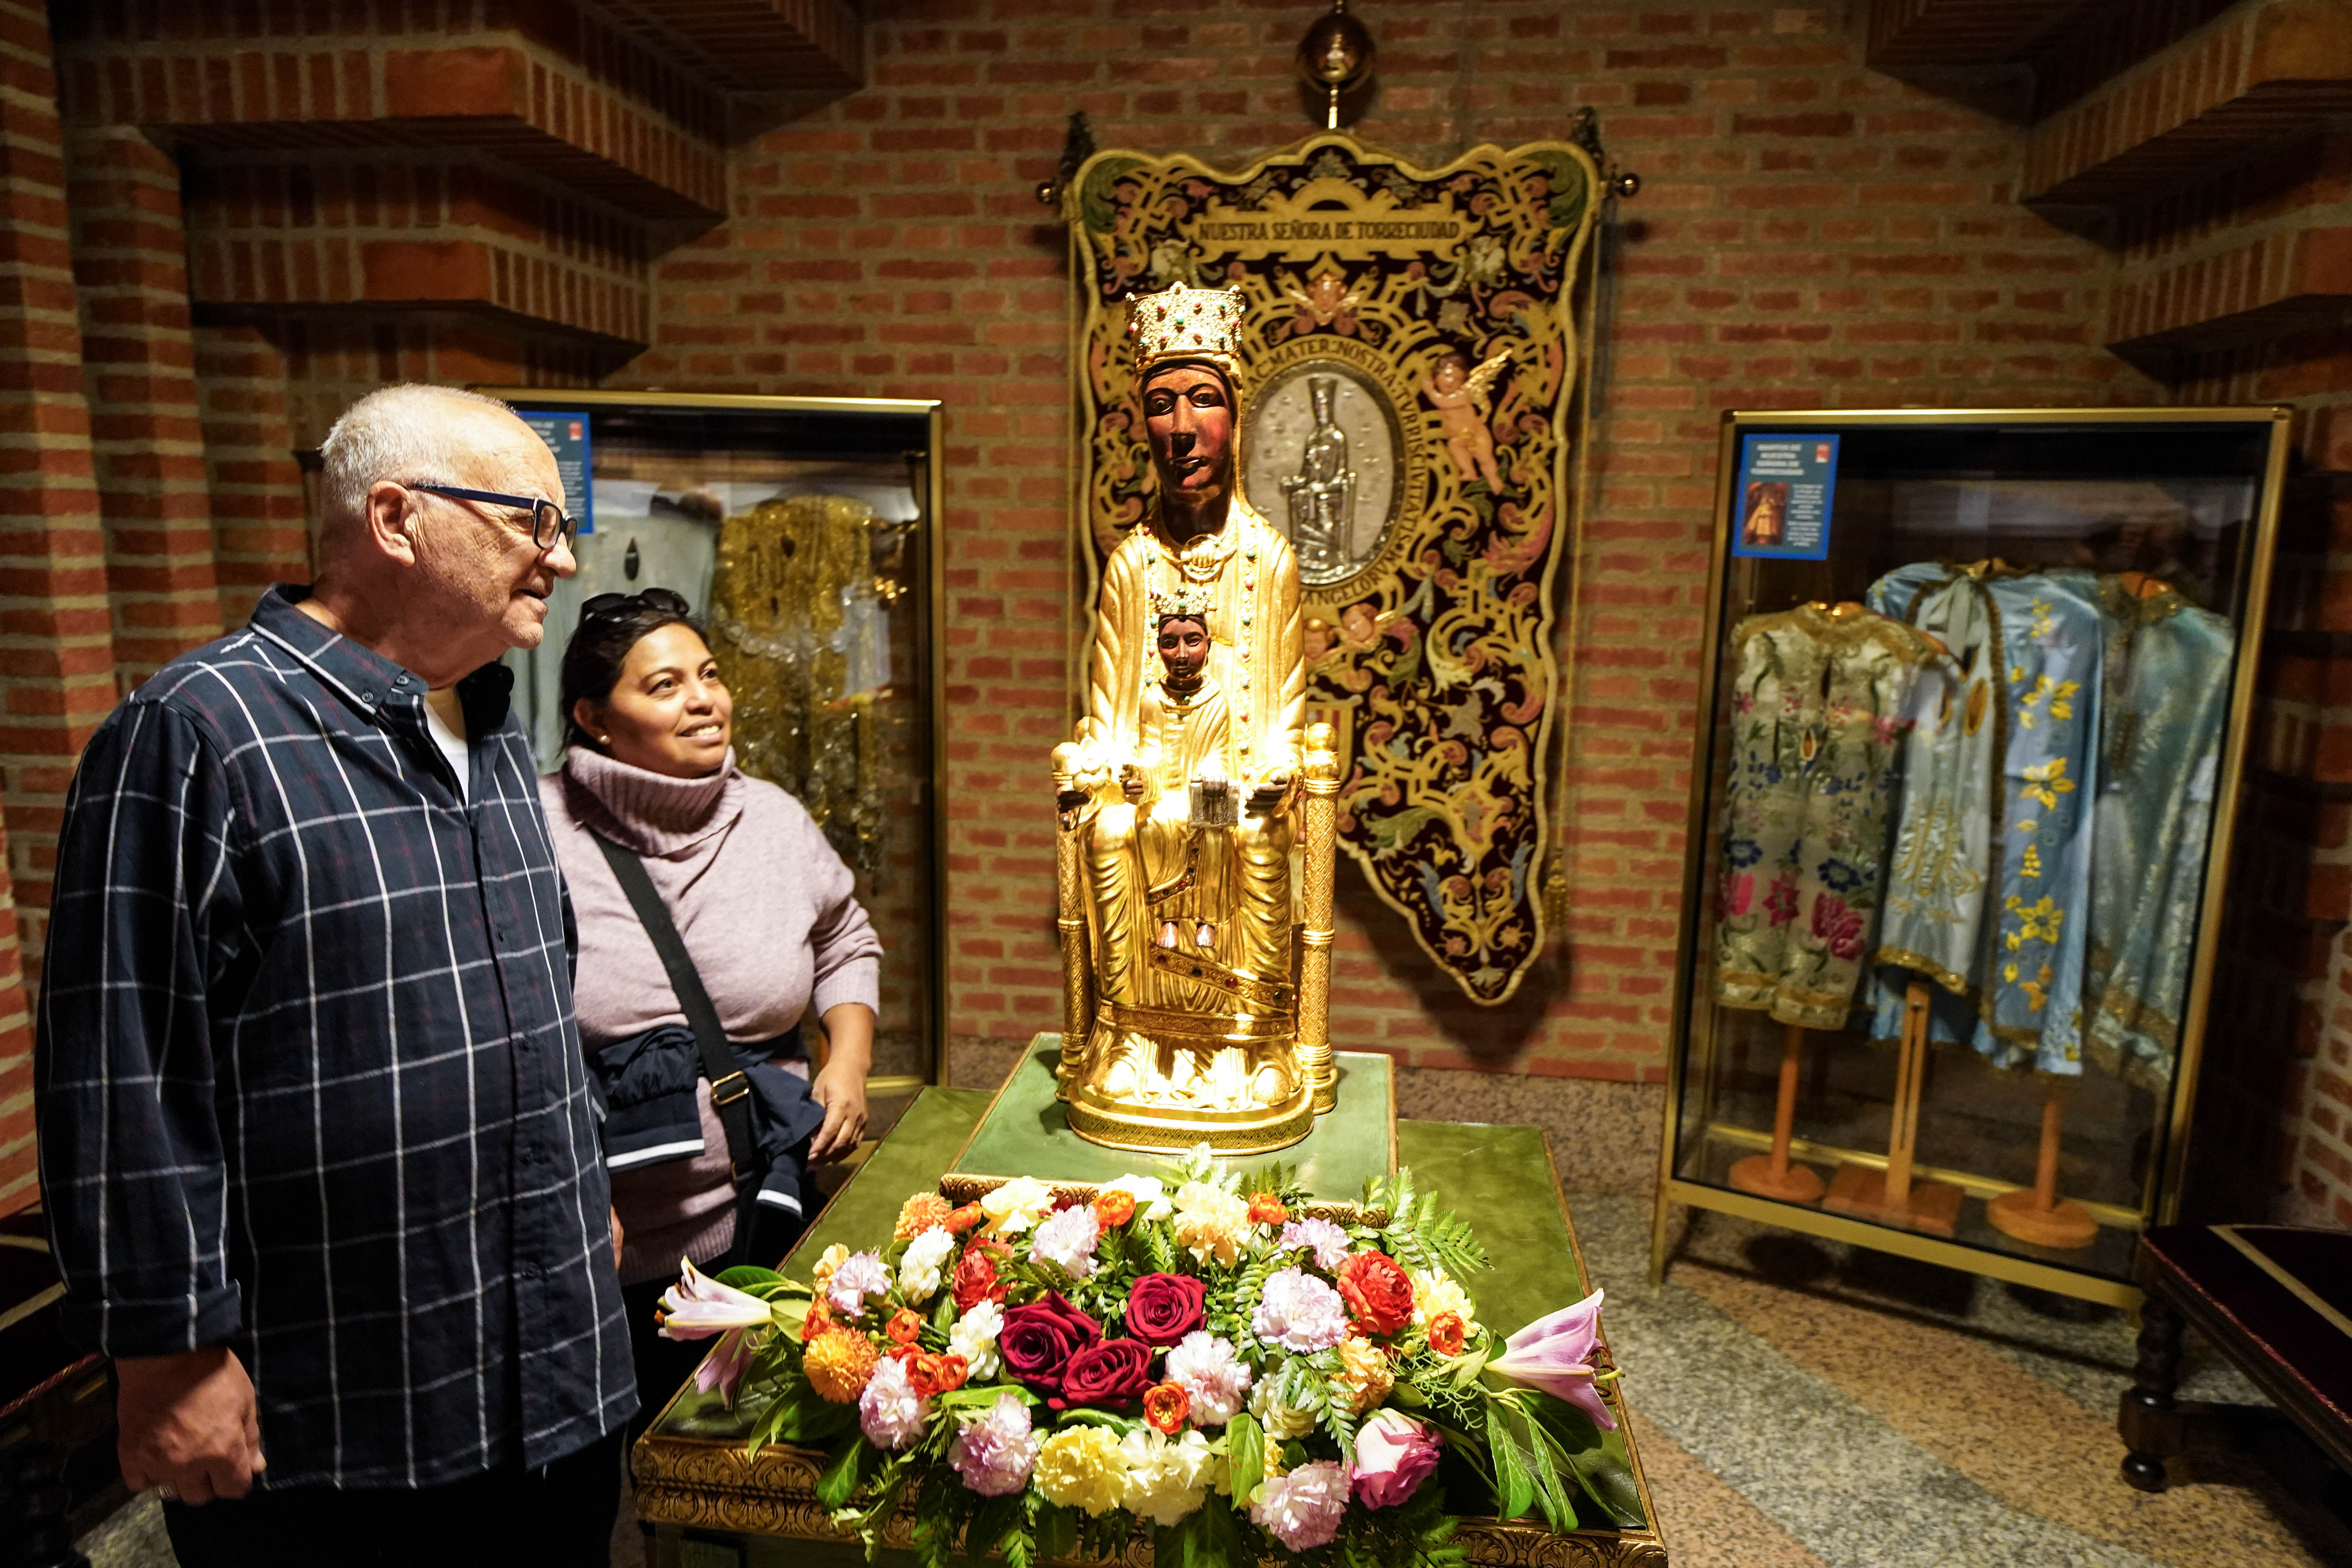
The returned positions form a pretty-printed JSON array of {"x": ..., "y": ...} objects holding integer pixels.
[{"x": 1043, "y": 1376}]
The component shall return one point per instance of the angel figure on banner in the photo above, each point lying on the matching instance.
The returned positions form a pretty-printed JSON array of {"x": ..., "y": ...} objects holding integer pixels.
[{"x": 1464, "y": 398}]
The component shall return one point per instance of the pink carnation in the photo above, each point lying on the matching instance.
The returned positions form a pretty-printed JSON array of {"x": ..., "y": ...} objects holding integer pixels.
[
  {"x": 891, "y": 1412},
  {"x": 1205, "y": 1368},
  {"x": 995, "y": 1451},
  {"x": 1299, "y": 1312},
  {"x": 1303, "y": 1508},
  {"x": 1329, "y": 1242}
]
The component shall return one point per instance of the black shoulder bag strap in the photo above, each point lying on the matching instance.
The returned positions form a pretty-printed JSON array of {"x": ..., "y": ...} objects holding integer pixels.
[{"x": 731, "y": 1092}]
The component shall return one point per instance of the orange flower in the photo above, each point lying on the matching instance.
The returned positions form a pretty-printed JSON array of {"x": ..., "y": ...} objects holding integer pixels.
[
  {"x": 924, "y": 1211},
  {"x": 1166, "y": 1407},
  {"x": 903, "y": 1354},
  {"x": 1447, "y": 1333},
  {"x": 904, "y": 1325},
  {"x": 963, "y": 1220},
  {"x": 838, "y": 1365},
  {"x": 931, "y": 1374},
  {"x": 818, "y": 1322},
  {"x": 1114, "y": 1206},
  {"x": 1266, "y": 1208}
]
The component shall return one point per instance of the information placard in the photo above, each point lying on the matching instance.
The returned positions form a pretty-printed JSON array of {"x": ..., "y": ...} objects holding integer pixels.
[
  {"x": 566, "y": 436},
  {"x": 1780, "y": 508}
]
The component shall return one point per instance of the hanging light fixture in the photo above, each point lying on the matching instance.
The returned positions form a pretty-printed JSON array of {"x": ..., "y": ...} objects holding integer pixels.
[{"x": 1335, "y": 58}]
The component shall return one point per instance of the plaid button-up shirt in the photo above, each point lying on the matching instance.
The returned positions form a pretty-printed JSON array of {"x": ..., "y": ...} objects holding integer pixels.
[{"x": 308, "y": 1081}]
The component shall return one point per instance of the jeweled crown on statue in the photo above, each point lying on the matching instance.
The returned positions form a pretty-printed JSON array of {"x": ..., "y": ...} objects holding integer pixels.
[{"x": 1195, "y": 806}]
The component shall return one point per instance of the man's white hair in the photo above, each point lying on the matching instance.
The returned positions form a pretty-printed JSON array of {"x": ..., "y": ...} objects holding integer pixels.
[{"x": 405, "y": 434}]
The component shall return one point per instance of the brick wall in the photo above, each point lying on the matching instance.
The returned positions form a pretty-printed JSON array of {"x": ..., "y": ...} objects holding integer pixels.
[
  {"x": 56, "y": 662},
  {"x": 2322, "y": 1189},
  {"x": 1809, "y": 232}
]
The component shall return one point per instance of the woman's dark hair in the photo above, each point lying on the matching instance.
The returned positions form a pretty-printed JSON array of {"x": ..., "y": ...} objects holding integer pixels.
[{"x": 610, "y": 626}]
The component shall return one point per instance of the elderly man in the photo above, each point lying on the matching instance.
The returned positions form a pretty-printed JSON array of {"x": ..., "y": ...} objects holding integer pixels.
[{"x": 315, "y": 1136}]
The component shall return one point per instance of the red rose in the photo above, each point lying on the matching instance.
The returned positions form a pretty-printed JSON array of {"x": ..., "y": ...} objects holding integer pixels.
[
  {"x": 1039, "y": 1340},
  {"x": 1116, "y": 1372},
  {"x": 1379, "y": 1296},
  {"x": 1164, "y": 1308},
  {"x": 975, "y": 1277}
]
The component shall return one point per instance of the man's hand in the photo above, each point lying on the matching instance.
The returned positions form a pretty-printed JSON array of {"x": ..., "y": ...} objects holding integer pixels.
[
  {"x": 187, "y": 1422},
  {"x": 616, "y": 1238}
]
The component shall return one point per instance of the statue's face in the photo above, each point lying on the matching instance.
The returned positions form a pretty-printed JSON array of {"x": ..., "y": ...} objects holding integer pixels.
[
  {"x": 1189, "y": 415},
  {"x": 1449, "y": 374},
  {"x": 1184, "y": 649}
]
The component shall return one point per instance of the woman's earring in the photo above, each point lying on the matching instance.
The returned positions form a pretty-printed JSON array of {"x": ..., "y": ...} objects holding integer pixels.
[{"x": 603, "y": 739}]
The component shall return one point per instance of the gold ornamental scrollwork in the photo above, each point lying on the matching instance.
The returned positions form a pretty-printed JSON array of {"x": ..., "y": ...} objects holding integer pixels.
[{"x": 1409, "y": 364}]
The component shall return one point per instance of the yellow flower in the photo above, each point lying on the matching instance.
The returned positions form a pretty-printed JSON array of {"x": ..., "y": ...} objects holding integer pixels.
[
  {"x": 1364, "y": 1374},
  {"x": 1016, "y": 1206},
  {"x": 838, "y": 1364},
  {"x": 2045, "y": 782},
  {"x": 1436, "y": 1292},
  {"x": 1210, "y": 1222},
  {"x": 832, "y": 1258},
  {"x": 2038, "y": 920},
  {"x": 1082, "y": 1468},
  {"x": 2037, "y": 991},
  {"x": 2030, "y": 864}
]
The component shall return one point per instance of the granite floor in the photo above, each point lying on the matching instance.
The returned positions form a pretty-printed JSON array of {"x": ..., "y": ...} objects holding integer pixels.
[{"x": 1797, "y": 1405}]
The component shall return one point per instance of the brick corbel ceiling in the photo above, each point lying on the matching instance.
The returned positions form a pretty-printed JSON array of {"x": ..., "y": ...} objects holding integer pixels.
[{"x": 519, "y": 162}]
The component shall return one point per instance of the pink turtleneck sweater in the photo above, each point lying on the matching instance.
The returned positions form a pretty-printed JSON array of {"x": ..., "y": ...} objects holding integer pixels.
[{"x": 769, "y": 916}]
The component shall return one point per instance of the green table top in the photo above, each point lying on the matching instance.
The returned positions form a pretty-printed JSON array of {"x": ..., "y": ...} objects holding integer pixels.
[{"x": 1027, "y": 1132}]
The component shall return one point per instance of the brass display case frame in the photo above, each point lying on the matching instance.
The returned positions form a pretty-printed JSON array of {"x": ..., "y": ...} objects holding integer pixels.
[
  {"x": 2161, "y": 1191},
  {"x": 932, "y": 497}
]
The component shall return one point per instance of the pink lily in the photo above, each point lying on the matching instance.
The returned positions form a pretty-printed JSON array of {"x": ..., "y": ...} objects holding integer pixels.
[
  {"x": 1554, "y": 1354},
  {"x": 698, "y": 1307}
]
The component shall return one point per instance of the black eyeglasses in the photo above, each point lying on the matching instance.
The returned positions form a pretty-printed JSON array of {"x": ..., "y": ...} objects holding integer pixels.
[
  {"x": 617, "y": 607},
  {"x": 549, "y": 521}
]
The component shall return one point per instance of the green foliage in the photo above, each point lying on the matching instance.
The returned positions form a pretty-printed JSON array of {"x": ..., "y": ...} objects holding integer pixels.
[
  {"x": 1515, "y": 1487},
  {"x": 853, "y": 1461},
  {"x": 1583, "y": 1451},
  {"x": 1417, "y": 1234},
  {"x": 1057, "y": 1529},
  {"x": 1208, "y": 1537},
  {"x": 799, "y": 1415},
  {"x": 1245, "y": 1456}
]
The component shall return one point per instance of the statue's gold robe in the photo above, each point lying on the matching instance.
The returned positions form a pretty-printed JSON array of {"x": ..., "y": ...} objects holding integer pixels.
[{"x": 1147, "y": 867}]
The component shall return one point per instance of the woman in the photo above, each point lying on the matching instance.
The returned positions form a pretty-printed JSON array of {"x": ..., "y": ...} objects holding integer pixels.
[{"x": 767, "y": 913}]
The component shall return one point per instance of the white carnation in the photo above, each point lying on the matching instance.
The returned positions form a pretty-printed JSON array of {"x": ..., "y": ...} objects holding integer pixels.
[
  {"x": 975, "y": 1339},
  {"x": 918, "y": 1271}
]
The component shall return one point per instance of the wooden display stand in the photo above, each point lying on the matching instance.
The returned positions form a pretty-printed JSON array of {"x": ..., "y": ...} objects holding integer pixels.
[
  {"x": 1771, "y": 1175},
  {"x": 2038, "y": 1214},
  {"x": 1890, "y": 1196}
]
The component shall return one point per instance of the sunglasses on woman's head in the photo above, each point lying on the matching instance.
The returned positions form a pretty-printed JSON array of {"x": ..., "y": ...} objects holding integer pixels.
[{"x": 617, "y": 607}]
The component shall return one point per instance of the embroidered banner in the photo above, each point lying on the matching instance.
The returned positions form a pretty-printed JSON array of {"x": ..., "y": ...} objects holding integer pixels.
[{"x": 1410, "y": 359}]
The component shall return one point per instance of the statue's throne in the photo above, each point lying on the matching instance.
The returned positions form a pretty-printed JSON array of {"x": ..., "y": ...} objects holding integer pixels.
[{"x": 1259, "y": 1024}]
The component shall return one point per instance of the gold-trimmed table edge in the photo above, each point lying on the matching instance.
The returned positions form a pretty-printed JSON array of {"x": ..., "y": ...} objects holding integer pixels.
[{"x": 707, "y": 1483}]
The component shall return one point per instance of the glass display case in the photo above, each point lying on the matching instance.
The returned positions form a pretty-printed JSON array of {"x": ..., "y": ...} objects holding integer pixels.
[
  {"x": 801, "y": 530},
  {"x": 1975, "y": 696}
]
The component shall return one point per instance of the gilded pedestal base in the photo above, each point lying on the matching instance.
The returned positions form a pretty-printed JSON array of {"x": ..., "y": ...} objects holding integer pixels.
[{"x": 1158, "y": 1130}]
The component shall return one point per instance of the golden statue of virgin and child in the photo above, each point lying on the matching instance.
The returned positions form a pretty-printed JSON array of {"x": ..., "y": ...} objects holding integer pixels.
[{"x": 1195, "y": 804}]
